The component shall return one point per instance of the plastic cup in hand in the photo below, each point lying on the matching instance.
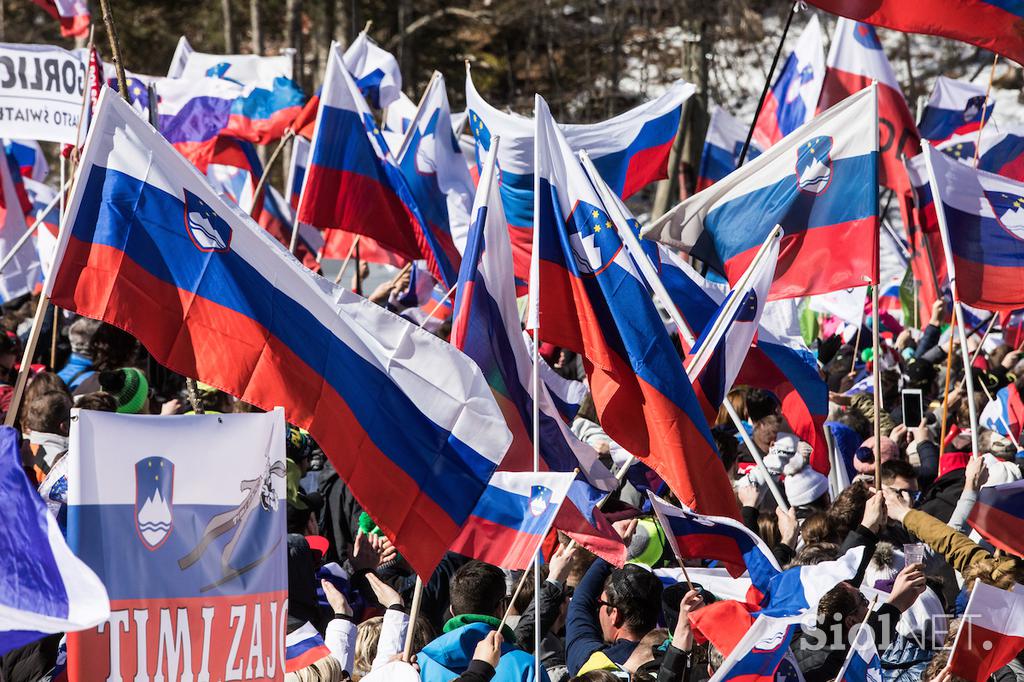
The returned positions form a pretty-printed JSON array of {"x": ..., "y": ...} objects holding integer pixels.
[{"x": 913, "y": 553}]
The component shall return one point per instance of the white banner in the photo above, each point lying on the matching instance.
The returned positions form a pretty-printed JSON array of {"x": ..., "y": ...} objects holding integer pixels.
[{"x": 40, "y": 92}]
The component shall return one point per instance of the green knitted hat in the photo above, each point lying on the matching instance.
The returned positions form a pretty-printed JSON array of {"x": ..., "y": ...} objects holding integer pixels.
[{"x": 132, "y": 397}]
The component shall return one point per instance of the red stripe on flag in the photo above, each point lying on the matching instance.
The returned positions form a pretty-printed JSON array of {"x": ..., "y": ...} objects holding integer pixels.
[
  {"x": 1004, "y": 530},
  {"x": 992, "y": 287},
  {"x": 496, "y": 544},
  {"x": 646, "y": 166},
  {"x": 174, "y": 324}
]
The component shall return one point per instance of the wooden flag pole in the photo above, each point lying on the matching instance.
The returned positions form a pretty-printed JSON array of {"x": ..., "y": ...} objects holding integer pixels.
[
  {"x": 414, "y": 614},
  {"x": 115, "y": 49},
  {"x": 945, "y": 392},
  {"x": 767, "y": 82},
  {"x": 258, "y": 192},
  {"x": 26, "y": 360},
  {"x": 344, "y": 265},
  {"x": 984, "y": 106}
]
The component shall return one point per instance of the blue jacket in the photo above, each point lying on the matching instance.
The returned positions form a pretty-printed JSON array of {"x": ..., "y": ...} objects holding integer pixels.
[
  {"x": 449, "y": 655},
  {"x": 583, "y": 637},
  {"x": 78, "y": 369}
]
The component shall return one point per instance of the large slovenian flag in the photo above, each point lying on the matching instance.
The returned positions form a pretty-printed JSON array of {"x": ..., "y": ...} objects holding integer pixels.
[
  {"x": 46, "y": 588},
  {"x": 630, "y": 151},
  {"x": 982, "y": 227},
  {"x": 855, "y": 60},
  {"x": 697, "y": 536},
  {"x": 586, "y": 294},
  {"x": 73, "y": 16},
  {"x": 793, "y": 97},
  {"x": 721, "y": 349},
  {"x": 352, "y": 183},
  {"x": 819, "y": 184},
  {"x": 513, "y": 517},
  {"x": 438, "y": 178},
  {"x": 777, "y": 362},
  {"x": 995, "y": 25},
  {"x": 991, "y": 634},
  {"x": 954, "y": 108},
  {"x": 998, "y": 516},
  {"x": 722, "y": 148},
  {"x": 487, "y": 329},
  {"x": 407, "y": 420}
]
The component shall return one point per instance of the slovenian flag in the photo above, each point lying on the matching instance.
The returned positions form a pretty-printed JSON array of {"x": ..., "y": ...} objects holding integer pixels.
[
  {"x": 630, "y": 151},
  {"x": 587, "y": 295},
  {"x": 723, "y": 145},
  {"x": 487, "y": 328},
  {"x": 990, "y": 24},
  {"x": 991, "y": 633},
  {"x": 793, "y": 97},
  {"x": 819, "y": 184},
  {"x": 1002, "y": 150},
  {"x": 862, "y": 663},
  {"x": 47, "y": 589},
  {"x": 954, "y": 108},
  {"x": 407, "y": 420},
  {"x": 761, "y": 651},
  {"x": 856, "y": 60},
  {"x": 998, "y": 516},
  {"x": 375, "y": 71},
  {"x": 513, "y": 517},
  {"x": 799, "y": 589},
  {"x": 303, "y": 647},
  {"x": 29, "y": 157},
  {"x": 725, "y": 540},
  {"x": 982, "y": 232}
]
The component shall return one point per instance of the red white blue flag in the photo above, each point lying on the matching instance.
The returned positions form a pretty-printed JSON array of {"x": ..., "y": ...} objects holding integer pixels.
[
  {"x": 630, "y": 151},
  {"x": 819, "y": 184},
  {"x": 793, "y": 97},
  {"x": 303, "y": 647},
  {"x": 183, "y": 519},
  {"x": 954, "y": 108},
  {"x": 407, "y": 420},
  {"x": 761, "y": 651},
  {"x": 29, "y": 157},
  {"x": 723, "y": 145},
  {"x": 487, "y": 329},
  {"x": 586, "y": 294},
  {"x": 73, "y": 16},
  {"x": 991, "y": 632},
  {"x": 513, "y": 517},
  {"x": 998, "y": 516},
  {"x": 1002, "y": 150},
  {"x": 983, "y": 233},
  {"x": 375, "y": 70},
  {"x": 994, "y": 25},
  {"x": 855, "y": 60}
]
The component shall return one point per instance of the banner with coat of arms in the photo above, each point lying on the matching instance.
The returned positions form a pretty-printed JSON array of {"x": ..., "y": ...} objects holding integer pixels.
[{"x": 183, "y": 519}]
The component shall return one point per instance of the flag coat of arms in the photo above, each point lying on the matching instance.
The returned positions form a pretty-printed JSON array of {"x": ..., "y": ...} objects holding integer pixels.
[
  {"x": 586, "y": 294},
  {"x": 793, "y": 97},
  {"x": 407, "y": 420},
  {"x": 954, "y": 108},
  {"x": 983, "y": 232},
  {"x": 183, "y": 519},
  {"x": 855, "y": 59},
  {"x": 722, "y": 147},
  {"x": 819, "y": 183}
]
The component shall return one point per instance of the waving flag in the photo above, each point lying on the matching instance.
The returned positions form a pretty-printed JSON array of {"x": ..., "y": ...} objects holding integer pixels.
[
  {"x": 991, "y": 634},
  {"x": 29, "y": 157},
  {"x": 397, "y": 119},
  {"x": 587, "y": 295},
  {"x": 954, "y": 108},
  {"x": 351, "y": 182},
  {"x": 630, "y": 151},
  {"x": 244, "y": 69},
  {"x": 46, "y": 588},
  {"x": 722, "y": 147},
  {"x": 799, "y": 589},
  {"x": 998, "y": 516},
  {"x": 793, "y": 97},
  {"x": 855, "y": 59},
  {"x": 438, "y": 178},
  {"x": 407, "y": 420},
  {"x": 928, "y": 256},
  {"x": 721, "y": 349},
  {"x": 761, "y": 651},
  {"x": 375, "y": 70},
  {"x": 73, "y": 16},
  {"x": 42, "y": 196},
  {"x": 862, "y": 663},
  {"x": 696, "y": 536},
  {"x": 297, "y": 170},
  {"x": 983, "y": 233},
  {"x": 21, "y": 274},
  {"x": 303, "y": 647},
  {"x": 1012, "y": 323},
  {"x": 512, "y": 518},
  {"x": 991, "y": 24},
  {"x": 487, "y": 329},
  {"x": 1002, "y": 151},
  {"x": 818, "y": 184}
]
